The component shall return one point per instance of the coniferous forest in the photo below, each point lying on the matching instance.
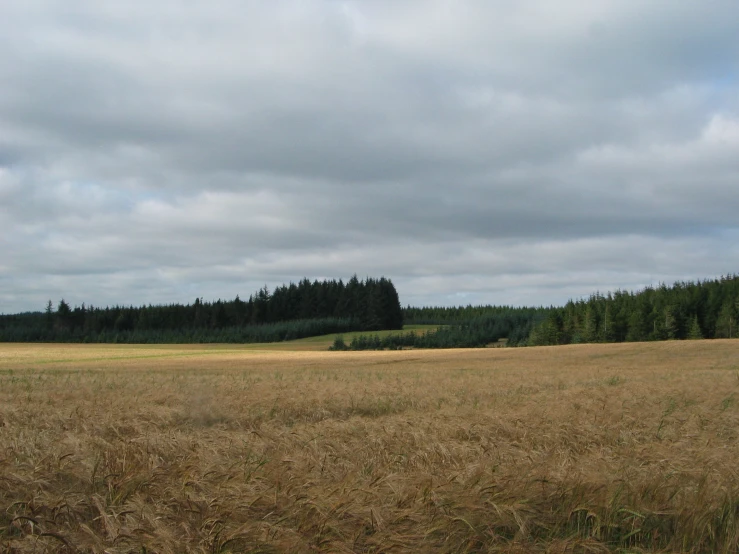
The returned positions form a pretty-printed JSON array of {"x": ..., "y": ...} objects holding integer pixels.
[
  {"x": 289, "y": 312},
  {"x": 685, "y": 310}
]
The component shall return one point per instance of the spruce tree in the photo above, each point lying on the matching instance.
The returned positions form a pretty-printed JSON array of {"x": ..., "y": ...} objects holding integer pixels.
[
  {"x": 695, "y": 333},
  {"x": 49, "y": 315},
  {"x": 725, "y": 323},
  {"x": 637, "y": 329},
  {"x": 590, "y": 325},
  {"x": 670, "y": 323},
  {"x": 63, "y": 314}
]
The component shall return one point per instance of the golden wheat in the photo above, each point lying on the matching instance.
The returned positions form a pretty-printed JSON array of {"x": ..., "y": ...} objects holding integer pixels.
[{"x": 227, "y": 449}]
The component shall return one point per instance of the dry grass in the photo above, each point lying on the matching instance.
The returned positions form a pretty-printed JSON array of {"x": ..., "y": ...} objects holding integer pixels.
[{"x": 227, "y": 449}]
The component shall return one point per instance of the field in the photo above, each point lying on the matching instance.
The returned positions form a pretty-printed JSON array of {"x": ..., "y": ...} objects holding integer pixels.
[
  {"x": 593, "y": 448},
  {"x": 324, "y": 341}
]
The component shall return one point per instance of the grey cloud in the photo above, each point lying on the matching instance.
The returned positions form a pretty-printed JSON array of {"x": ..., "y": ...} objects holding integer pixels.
[{"x": 477, "y": 151}]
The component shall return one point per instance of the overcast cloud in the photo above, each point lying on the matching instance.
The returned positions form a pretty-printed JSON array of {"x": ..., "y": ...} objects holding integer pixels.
[{"x": 483, "y": 151}]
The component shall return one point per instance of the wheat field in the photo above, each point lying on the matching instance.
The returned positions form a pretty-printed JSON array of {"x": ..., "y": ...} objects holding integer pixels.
[{"x": 592, "y": 448}]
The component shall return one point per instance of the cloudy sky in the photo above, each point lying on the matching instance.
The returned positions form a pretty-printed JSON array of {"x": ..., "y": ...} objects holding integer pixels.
[{"x": 481, "y": 151}]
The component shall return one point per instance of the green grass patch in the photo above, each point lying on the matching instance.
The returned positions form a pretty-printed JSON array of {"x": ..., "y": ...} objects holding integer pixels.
[{"x": 328, "y": 340}]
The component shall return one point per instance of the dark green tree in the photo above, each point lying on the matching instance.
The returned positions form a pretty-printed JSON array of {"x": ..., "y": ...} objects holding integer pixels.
[
  {"x": 63, "y": 315},
  {"x": 726, "y": 322},
  {"x": 49, "y": 315},
  {"x": 695, "y": 333}
]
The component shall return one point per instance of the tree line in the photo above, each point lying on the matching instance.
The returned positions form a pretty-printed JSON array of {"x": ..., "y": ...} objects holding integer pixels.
[
  {"x": 512, "y": 324},
  {"x": 687, "y": 310},
  {"x": 292, "y": 311},
  {"x": 449, "y": 315}
]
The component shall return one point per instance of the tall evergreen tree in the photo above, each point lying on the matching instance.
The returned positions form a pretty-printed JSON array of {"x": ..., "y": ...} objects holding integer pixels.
[
  {"x": 670, "y": 323},
  {"x": 695, "y": 332},
  {"x": 64, "y": 315},
  {"x": 726, "y": 322},
  {"x": 49, "y": 315}
]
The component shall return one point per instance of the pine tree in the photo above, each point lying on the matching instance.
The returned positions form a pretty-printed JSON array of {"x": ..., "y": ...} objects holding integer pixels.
[
  {"x": 590, "y": 325},
  {"x": 637, "y": 330},
  {"x": 49, "y": 315},
  {"x": 695, "y": 333},
  {"x": 373, "y": 313},
  {"x": 339, "y": 343},
  {"x": 670, "y": 321},
  {"x": 726, "y": 324},
  {"x": 63, "y": 314}
]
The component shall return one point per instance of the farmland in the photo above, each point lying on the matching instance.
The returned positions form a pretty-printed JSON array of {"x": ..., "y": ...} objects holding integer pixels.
[{"x": 271, "y": 448}]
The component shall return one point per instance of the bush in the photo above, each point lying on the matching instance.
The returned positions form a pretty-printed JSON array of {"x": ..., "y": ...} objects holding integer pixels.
[{"x": 339, "y": 344}]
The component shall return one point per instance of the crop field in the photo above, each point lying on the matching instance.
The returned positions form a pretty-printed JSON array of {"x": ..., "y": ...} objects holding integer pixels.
[{"x": 592, "y": 448}]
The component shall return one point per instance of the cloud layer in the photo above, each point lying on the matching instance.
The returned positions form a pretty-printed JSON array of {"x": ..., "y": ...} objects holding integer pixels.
[{"x": 481, "y": 151}]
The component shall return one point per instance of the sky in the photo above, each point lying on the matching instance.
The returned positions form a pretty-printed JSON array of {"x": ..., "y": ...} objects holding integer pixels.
[{"x": 474, "y": 152}]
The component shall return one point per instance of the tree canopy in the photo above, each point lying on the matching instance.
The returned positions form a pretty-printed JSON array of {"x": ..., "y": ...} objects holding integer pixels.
[{"x": 290, "y": 311}]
